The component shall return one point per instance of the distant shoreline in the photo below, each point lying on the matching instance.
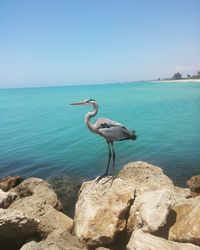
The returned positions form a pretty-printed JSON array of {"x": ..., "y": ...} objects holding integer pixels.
[{"x": 181, "y": 80}]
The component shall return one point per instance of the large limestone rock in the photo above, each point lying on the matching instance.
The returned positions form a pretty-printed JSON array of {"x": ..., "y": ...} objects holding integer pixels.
[
  {"x": 15, "y": 228},
  {"x": 187, "y": 225},
  {"x": 57, "y": 240},
  {"x": 144, "y": 241},
  {"x": 194, "y": 183},
  {"x": 6, "y": 198},
  {"x": 149, "y": 210},
  {"x": 101, "y": 210},
  {"x": 145, "y": 177},
  {"x": 49, "y": 218},
  {"x": 39, "y": 189},
  {"x": 37, "y": 199},
  {"x": 9, "y": 182}
]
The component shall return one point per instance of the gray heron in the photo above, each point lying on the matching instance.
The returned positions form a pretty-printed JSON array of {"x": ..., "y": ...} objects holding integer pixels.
[{"x": 109, "y": 129}]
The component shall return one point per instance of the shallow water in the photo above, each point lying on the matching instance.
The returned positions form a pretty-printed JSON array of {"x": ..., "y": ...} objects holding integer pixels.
[{"x": 42, "y": 135}]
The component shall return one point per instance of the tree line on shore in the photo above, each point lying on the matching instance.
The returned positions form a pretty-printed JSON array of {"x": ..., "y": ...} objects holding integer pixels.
[{"x": 179, "y": 76}]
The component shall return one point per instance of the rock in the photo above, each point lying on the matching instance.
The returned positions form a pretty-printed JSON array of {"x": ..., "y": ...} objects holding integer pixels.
[
  {"x": 181, "y": 193},
  {"x": 149, "y": 210},
  {"x": 144, "y": 241},
  {"x": 187, "y": 224},
  {"x": 37, "y": 199},
  {"x": 194, "y": 183},
  {"x": 57, "y": 240},
  {"x": 9, "y": 182},
  {"x": 49, "y": 218},
  {"x": 6, "y": 198},
  {"x": 101, "y": 210},
  {"x": 40, "y": 189},
  {"x": 15, "y": 228},
  {"x": 145, "y": 177},
  {"x": 102, "y": 248}
]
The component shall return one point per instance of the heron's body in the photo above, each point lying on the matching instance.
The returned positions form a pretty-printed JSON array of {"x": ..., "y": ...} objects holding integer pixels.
[
  {"x": 109, "y": 129},
  {"x": 112, "y": 130}
]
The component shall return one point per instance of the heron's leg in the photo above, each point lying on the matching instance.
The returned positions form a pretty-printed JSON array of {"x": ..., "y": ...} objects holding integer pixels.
[
  {"x": 108, "y": 164},
  {"x": 113, "y": 154},
  {"x": 109, "y": 157}
]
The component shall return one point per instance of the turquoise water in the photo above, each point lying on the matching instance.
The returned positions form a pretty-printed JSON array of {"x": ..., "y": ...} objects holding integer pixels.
[{"x": 41, "y": 135}]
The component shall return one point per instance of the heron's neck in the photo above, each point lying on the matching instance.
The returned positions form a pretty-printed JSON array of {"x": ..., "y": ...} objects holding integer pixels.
[{"x": 89, "y": 115}]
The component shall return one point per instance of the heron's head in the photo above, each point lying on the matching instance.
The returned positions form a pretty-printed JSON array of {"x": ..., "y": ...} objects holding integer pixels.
[{"x": 85, "y": 102}]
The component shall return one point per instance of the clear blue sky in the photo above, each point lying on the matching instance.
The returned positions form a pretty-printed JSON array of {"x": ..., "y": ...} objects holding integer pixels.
[{"x": 58, "y": 42}]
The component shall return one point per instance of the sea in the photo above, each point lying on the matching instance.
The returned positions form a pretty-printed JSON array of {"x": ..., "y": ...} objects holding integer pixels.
[{"x": 42, "y": 135}]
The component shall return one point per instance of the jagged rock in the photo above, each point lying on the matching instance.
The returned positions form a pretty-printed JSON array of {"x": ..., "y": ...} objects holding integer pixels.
[
  {"x": 187, "y": 225},
  {"x": 40, "y": 189},
  {"x": 9, "y": 182},
  {"x": 15, "y": 228},
  {"x": 57, "y": 240},
  {"x": 144, "y": 241},
  {"x": 194, "y": 183},
  {"x": 145, "y": 177},
  {"x": 149, "y": 210},
  {"x": 6, "y": 198},
  {"x": 101, "y": 210},
  {"x": 49, "y": 218}
]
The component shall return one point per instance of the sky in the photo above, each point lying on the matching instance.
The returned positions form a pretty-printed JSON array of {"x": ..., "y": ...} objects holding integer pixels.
[{"x": 67, "y": 42}]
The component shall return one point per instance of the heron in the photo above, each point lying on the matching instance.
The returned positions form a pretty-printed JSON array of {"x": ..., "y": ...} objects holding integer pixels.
[{"x": 109, "y": 129}]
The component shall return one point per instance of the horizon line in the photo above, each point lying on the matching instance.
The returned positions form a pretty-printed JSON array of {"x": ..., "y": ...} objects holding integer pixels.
[{"x": 72, "y": 85}]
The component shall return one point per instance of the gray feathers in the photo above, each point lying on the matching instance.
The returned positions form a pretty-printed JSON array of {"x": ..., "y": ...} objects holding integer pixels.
[{"x": 112, "y": 130}]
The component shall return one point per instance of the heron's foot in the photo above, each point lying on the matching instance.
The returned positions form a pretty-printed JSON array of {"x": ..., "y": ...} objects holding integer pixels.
[
  {"x": 100, "y": 177},
  {"x": 108, "y": 179}
]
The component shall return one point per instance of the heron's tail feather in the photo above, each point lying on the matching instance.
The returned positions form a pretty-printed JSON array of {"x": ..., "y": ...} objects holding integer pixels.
[
  {"x": 129, "y": 135},
  {"x": 133, "y": 135}
]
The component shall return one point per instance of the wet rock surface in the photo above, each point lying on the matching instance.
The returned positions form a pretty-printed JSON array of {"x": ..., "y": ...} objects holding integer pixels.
[{"x": 9, "y": 182}]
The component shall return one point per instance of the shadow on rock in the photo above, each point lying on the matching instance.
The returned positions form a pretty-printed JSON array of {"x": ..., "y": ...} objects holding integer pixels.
[{"x": 164, "y": 230}]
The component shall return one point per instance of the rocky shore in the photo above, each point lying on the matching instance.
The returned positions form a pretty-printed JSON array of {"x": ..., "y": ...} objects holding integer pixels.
[{"x": 141, "y": 209}]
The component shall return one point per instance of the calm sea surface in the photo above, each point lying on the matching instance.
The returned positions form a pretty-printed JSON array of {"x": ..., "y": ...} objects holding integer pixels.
[{"x": 42, "y": 135}]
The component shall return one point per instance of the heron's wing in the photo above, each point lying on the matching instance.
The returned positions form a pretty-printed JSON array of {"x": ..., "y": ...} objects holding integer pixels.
[
  {"x": 106, "y": 123},
  {"x": 112, "y": 130}
]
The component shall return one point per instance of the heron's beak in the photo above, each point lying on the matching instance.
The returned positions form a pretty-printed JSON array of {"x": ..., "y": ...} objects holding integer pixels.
[{"x": 77, "y": 103}]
